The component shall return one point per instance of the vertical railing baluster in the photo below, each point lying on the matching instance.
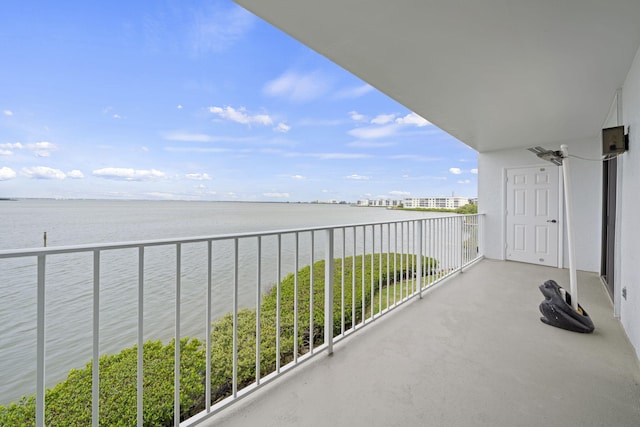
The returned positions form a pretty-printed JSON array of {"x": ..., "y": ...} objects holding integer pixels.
[
  {"x": 373, "y": 252},
  {"x": 278, "y": 295},
  {"x": 437, "y": 246},
  {"x": 429, "y": 254},
  {"x": 234, "y": 387},
  {"x": 353, "y": 282},
  {"x": 40, "y": 343},
  {"x": 395, "y": 264},
  {"x": 344, "y": 259},
  {"x": 380, "y": 271},
  {"x": 419, "y": 262},
  {"x": 311, "y": 278},
  {"x": 447, "y": 247},
  {"x": 95, "y": 366},
  {"x": 414, "y": 256},
  {"x": 176, "y": 364},
  {"x": 258, "y": 309},
  {"x": 461, "y": 240},
  {"x": 140, "y": 361},
  {"x": 401, "y": 261},
  {"x": 207, "y": 384},
  {"x": 328, "y": 290},
  {"x": 454, "y": 243},
  {"x": 388, "y": 260},
  {"x": 295, "y": 299},
  {"x": 364, "y": 269}
]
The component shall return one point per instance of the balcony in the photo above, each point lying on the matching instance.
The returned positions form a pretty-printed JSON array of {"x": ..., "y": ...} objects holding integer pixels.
[
  {"x": 472, "y": 352},
  {"x": 453, "y": 339}
]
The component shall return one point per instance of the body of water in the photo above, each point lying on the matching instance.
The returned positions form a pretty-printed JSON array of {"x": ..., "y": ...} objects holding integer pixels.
[{"x": 69, "y": 277}]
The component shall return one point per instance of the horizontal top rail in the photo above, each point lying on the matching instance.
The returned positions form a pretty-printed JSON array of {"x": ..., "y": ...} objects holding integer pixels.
[{"x": 27, "y": 252}]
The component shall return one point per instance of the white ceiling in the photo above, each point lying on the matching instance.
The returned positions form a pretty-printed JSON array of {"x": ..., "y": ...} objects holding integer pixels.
[{"x": 493, "y": 73}]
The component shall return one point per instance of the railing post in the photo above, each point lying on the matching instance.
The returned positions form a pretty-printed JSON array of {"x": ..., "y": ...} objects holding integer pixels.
[
  {"x": 328, "y": 291},
  {"x": 462, "y": 219},
  {"x": 420, "y": 256},
  {"x": 95, "y": 366},
  {"x": 176, "y": 355},
  {"x": 140, "y": 361},
  {"x": 40, "y": 343}
]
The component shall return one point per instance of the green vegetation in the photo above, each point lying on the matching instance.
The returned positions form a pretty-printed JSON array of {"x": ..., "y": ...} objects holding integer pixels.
[
  {"x": 467, "y": 209},
  {"x": 69, "y": 402}
]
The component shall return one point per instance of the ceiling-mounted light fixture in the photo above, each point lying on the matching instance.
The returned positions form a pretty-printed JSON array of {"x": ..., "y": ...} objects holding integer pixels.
[{"x": 554, "y": 157}]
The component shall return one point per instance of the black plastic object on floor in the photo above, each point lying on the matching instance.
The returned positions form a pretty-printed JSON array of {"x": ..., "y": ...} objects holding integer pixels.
[{"x": 557, "y": 311}]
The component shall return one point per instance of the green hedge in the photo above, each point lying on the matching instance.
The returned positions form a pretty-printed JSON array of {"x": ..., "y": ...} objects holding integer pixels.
[{"x": 69, "y": 402}]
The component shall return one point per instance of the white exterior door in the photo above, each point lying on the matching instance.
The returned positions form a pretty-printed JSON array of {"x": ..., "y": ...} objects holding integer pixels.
[{"x": 532, "y": 215}]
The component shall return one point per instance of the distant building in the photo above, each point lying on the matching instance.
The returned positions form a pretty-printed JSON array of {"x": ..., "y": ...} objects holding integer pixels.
[
  {"x": 436, "y": 202},
  {"x": 379, "y": 203},
  {"x": 452, "y": 202}
]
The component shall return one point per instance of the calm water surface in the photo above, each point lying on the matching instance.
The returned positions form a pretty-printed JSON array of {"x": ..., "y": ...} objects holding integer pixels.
[{"x": 69, "y": 277}]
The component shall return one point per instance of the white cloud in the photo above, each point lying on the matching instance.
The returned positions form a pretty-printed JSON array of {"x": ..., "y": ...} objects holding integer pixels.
[
  {"x": 240, "y": 116},
  {"x": 370, "y": 144},
  {"x": 43, "y": 172},
  {"x": 357, "y": 177},
  {"x": 6, "y": 148},
  {"x": 10, "y": 145},
  {"x": 399, "y": 193},
  {"x": 277, "y": 195},
  {"x": 7, "y": 173},
  {"x": 127, "y": 174},
  {"x": 198, "y": 176},
  {"x": 373, "y": 132},
  {"x": 455, "y": 171},
  {"x": 336, "y": 156},
  {"x": 42, "y": 149},
  {"x": 197, "y": 150},
  {"x": 117, "y": 116},
  {"x": 415, "y": 157},
  {"x": 75, "y": 174},
  {"x": 297, "y": 177},
  {"x": 8, "y": 113},
  {"x": 320, "y": 122},
  {"x": 297, "y": 87},
  {"x": 201, "y": 137},
  {"x": 187, "y": 137},
  {"x": 474, "y": 171},
  {"x": 354, "y": 92},
  {"x": 216, "y": 28},
  {"x": 357, "y": 117},
  {"x": 383, "y": 119},
  {"x": 412, "y": 119},
  {"x": 179, "y": 107},
  {"x": 464, "y": 181},
  {"x": 282, "y": 127}
]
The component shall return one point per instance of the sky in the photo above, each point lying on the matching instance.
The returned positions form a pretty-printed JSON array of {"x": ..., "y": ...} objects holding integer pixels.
[{"x": 200, "y": 100}]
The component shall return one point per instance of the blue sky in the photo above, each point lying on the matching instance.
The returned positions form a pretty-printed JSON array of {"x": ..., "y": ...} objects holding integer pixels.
[{"x": 200, "y": 100}]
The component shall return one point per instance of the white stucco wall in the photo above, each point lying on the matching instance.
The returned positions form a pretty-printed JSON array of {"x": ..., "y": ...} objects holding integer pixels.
[
  {"x": 628, "y": 254},
  {"x": 586, "y": 180}
]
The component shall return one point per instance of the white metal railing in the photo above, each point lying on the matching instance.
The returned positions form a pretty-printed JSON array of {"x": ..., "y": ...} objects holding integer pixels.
[{"x": 376, "y": 266}]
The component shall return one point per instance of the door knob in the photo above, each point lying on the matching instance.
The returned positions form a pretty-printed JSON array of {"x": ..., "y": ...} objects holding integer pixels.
[{"x": 552, "y": 220}]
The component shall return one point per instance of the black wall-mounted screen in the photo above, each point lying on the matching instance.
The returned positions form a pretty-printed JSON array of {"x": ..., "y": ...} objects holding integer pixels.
[{"x": 613, "y": 140}]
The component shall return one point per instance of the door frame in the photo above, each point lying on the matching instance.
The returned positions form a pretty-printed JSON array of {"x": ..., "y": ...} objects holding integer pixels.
[
  {"x": 560, "y": 201},
  {"x": 609, "y": 213}
]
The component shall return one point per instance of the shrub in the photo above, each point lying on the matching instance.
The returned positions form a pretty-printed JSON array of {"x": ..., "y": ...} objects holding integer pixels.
[{"x": 69, "y": 402}]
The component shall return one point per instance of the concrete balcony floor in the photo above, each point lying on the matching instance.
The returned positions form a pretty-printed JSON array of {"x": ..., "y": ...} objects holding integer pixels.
[{"x": 472, "y": 352}]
